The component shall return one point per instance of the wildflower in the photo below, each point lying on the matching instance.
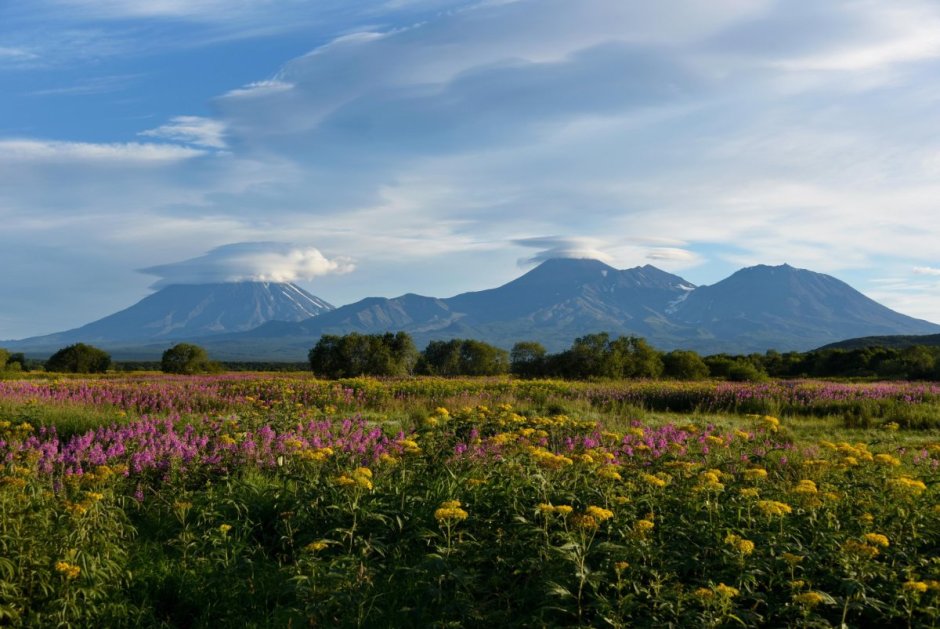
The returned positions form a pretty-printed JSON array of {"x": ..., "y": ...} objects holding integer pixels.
[
  {"x": 726, "y": 591},
  {"x": 749, "y": 492},
  {"x": 584, "y": 521},
  {"x": 914, "y": 587},
  {"x": 866, "y": 518},
  {"x": 546, "y": 509},
  {"x": 772, "y": 508},
  {"x": 743, "y": 546},
  {"x": 653, "y": 481},
  {"x": 891, "y": 426},
  {"x": 792, "y": 559},
  {"x": 316, "y": 546},
  {"x": 755, "y": 474},
  {"x": 94, "y": 496},
  {"x": 712, "y": 440},
  {"x": 704, "y": 594},
  {"x": 887, "y": 459},
  {"x": 68, "y": 570},
  {"x": 808, "y": 599},
  {"x": 599, "y": 513},
  {"x": 797, "y": 584},
  {"x": 450, "y": 510},
  {"x": 860, "y": 549},
  {"x": 643, "y": 526},
  {"x": 564, "y": 509},
  {"x": 225, "y": 528},
  {"x": 876, "y": 539},
  {"x": 609, "y": 472},
  {"x": 620, "y": 566},
  {"x": 772, "y": 424},
  {"x": 908, "y": 485},
  {"x": 807, "y": 487}
]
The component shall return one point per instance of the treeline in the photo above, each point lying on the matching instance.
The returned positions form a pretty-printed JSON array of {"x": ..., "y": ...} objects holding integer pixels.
[
  {"x": 600, "y": 356},
  {"x": 590, "y": 356}
]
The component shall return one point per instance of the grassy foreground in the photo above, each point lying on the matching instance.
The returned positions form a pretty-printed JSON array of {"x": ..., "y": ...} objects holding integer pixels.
[{"x": 258, "y": 501}]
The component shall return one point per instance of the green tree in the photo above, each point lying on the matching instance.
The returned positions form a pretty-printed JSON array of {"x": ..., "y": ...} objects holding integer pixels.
[
  {"x": 363, "y": 355},
  {"x": 684, "y": 365},
  {"x": 4, "y": 357},
  {"x": 186, "y": 358},
  {"x": 463, "y": 357},
  {"x": 527, "y": 359},
  {"x": 79, "y": 358}
]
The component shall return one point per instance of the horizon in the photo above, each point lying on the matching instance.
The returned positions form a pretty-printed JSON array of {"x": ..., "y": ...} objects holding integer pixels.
[
  {"x": 370, "y": 148},
  {"x": 155, "y": 290}
]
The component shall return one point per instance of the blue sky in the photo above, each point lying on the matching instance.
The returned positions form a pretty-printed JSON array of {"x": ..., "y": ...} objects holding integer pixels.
[{"x": 434, "y": 146}]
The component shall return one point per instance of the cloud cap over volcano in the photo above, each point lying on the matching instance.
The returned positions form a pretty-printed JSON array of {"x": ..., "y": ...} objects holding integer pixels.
[{"x": 250, "y": 262}]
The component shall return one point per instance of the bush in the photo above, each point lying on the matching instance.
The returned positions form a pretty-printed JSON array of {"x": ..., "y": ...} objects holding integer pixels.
[
  {"x": 186, "y": 358},
  {"x": 79, "y": 358},
  {"x": 363, "y": 355}
]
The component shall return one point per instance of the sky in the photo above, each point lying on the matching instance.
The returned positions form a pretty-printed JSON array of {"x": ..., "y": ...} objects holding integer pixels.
[{"x": 373, "y": 148}]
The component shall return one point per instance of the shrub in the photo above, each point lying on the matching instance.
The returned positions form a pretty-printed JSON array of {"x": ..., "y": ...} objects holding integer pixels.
[{"x": 186, "y": 358}]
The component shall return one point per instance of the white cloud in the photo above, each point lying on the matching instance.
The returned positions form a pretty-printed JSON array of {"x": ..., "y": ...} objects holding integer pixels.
[
  {"x": 250, "y": 261},
  {"x": 191, "y": 130},
  {"x": 926, "y": 270},
  {"x": 54, "y": 151},
  {"x": 552, "y": 247},
  {"x": 16, "y": 54}
]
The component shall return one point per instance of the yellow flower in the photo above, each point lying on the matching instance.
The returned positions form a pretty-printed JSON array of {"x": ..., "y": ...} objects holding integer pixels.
[
  {"x": 773, "y": 508},
  {"x": 705, "y": 594},
  {"x": 805, "y": 487},
  {"x": 564, "y": 509},
  {"x": 906, "y": 484},
  {"x": 797, "y": 584},
  {"x": 609, "y": 472},
  {"x": 450, "y": 510},
  {"x": 316, "y": 546},
  {"x": 755, "y": 473},
  {"x": 887, "y": 459},
  {"x": 599, "y": 513},
  {"x": 915, "y": 587},
  {"x": 546, "y": 509},
  {"x": 792, "y": 559},
  {"x": 225, "y": 528},
  {"x": 653, "y": 481},
  {"x": 808, "y": 599},
  {"x": 891, "y": 426},
  {"x": 743, "y": 546},
  {"x": 68, "y": 570},
  {"x": 726, "y": 591},
  {"x": 585, "y": 521},
  {"x": 748, "y": 492},
  {"x": 876, "y": 539},
  {"x": 859, "y": 549},
  {"x": 620, "y": 566},
  {"x": 644, "y": 526}
]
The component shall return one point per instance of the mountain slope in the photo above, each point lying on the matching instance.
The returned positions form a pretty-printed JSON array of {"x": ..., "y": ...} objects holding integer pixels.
[
  {"x": 785, "y": 308},
  {"x": 554, "y": 303},
  {"x": 191, "y": 312}
]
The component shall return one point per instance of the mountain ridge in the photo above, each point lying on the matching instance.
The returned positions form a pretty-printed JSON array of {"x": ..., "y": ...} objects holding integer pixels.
[{"x": 755, "y": 309}]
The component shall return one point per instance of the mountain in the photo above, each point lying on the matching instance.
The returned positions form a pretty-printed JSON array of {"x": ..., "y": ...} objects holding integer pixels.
[
  {"x": 190, "y": 311},
  {"x": 785, "y": 308},
  {"x": 553, "y": 303},
  {"x": 753, "y": 310},
  {"x": 889, "y": 342}
]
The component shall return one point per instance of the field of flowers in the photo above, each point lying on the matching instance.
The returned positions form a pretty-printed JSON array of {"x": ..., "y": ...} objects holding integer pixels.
[{"x": 286, "y": 501}]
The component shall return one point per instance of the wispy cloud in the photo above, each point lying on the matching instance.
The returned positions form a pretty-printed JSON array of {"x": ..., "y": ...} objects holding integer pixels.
[
  {"x": 191, "y": 130},
  {"x": 926, "y": 270},
  {"x": 52, "y": 151}
]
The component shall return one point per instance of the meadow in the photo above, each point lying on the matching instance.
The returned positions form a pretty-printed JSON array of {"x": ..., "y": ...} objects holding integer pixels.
[{"x": 286, "y": 501}]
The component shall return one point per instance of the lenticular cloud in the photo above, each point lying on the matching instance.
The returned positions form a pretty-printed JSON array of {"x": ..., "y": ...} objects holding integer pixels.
[
  {"x": 561, "y": 247},
  {"x": 249, "y": 262}
]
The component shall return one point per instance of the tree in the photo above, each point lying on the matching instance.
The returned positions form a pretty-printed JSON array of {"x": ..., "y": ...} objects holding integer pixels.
[
  {"x": 363, "y": 355},
  {"x": 463, "y": 357},
  {"x": 185, "y": 358},
  {"x": 79, "y": 358},
  {"x": 4, "y": 357},
  {"x": 684, "y": 365},
  {"x": 527, "y": 359}
]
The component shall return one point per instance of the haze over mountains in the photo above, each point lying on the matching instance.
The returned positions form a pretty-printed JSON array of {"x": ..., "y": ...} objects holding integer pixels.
[{"x": 755, "y": 309}]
